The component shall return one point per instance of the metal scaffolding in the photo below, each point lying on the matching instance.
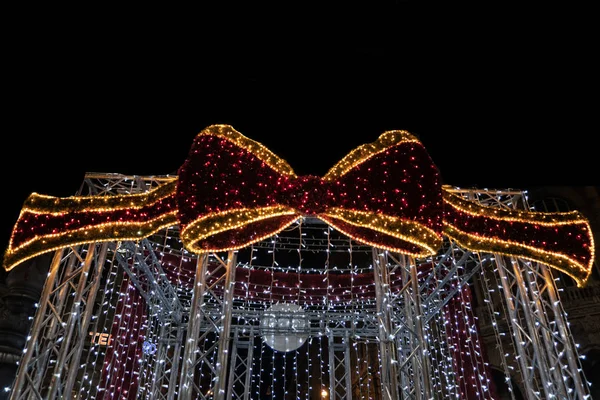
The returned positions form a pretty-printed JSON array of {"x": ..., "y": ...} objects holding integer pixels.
[{"x": 203, "y": 332}]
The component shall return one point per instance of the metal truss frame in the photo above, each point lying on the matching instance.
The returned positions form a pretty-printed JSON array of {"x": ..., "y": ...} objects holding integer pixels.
[
  {"x": 51, "y": 358},
  {"x": 139, "y": 261},
  {"x": 546, "y": 354},
  {"x": 201, "y": 324},
  {"x": 546, "y": 351},
  {"x": 106, "y": 184},
  {"x": 240, "y": 373},
  {"x": 405, "y": 367},
  {"x": 214, "y": 336},
  {"x": 340, "y": 369}
]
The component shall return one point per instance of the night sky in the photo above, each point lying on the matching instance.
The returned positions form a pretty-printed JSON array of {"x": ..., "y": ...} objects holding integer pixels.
[{"x": 496, "y": 113}]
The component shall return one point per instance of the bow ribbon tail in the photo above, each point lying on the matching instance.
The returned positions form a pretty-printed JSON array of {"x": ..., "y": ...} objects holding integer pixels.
[
  {"x": 235, "y": 229},
  {"x": 561, "y": 240},
  {"x": 391, "y": 233},
  {"x": 48, "y": 223}
]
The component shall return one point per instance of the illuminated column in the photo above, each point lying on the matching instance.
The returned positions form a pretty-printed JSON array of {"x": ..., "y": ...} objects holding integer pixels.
[
  {"x": 540, "y": 322},
  {"x": 546, "y": 342},
  {"x": 61, "y": 325},
  {"x": 521, "y": 340},
  {"x": 166, "y": 364},
  {"x": 568, "y": 348},
  {"x": 171, "y": 394},
  {"x": 80, "y": 314},
  {"x": 387, "y": 343},
  {"x": 32, "y": 364},
  {"x": 146, "y": 274},
  {"x": 56, "y": 302},
  {"x": 225, "y": 328},
  {"x": 340, "y": 379},
  {"x": 419, "y": 327},
  {"x": 215, "y": 282},
  {"x": 412, "y": 365},
  {"x": 240, "y": 369},
  {"x": 81, "y": 322},
  {"x": 494, "y": 307},
  {"x": 159, "y": 363},
  {"x": 193, "y": 331}
]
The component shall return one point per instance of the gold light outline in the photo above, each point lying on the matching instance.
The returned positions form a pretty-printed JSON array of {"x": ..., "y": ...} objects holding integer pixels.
[
  {"x": 257, "y": 149},
  {"x": 431, "y": 240},
  {"x": 215, "y": 223},
  {"x": 556, "y": 260},
  {"x": 281, "y": 227},
  {"x": 537, "y": 217},
  {"x": 42, "y": 204},
  {"x": 363, "y": 152},
  {"x": 55, "y": 241}
]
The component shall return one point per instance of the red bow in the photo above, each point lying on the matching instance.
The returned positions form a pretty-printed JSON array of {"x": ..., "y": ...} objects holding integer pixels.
[{"x": 232, "y": 191}]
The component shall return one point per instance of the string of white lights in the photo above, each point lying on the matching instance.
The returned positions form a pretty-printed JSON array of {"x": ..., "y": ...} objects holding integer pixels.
[
  {"x": 490, "y": 300},
  {"x": 99, "y": 337}
]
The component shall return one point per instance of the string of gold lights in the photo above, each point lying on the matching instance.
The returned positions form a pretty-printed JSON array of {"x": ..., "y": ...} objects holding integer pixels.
[{"x": 366, "y": 151}]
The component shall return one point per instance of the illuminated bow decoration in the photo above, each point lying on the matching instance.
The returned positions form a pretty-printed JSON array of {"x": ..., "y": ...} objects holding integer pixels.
[{"x": 232, "y": 192}]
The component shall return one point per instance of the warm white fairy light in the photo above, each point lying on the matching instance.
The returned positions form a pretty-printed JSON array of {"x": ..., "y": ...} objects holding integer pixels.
[
  {"x": 450, "y": 386},
  {"x": 436, "y": 356},
  {"x": 308, "y": 371},
  {"x": 273, "y": 374},
  {"x": 148, "y": 361},
  {"x": 96, "y": 350},
  {"x": 472, "y": 348},
  {"x": 322, "y": 367},
  {"x": 260, "y": 370},
  {"x": 490, "y": 298},
  {"x": 298, "y": 385},
  {"x": 369, "y": 363}
]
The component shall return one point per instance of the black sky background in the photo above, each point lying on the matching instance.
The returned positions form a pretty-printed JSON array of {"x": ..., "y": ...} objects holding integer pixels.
[{"x": 495, "y": 109}]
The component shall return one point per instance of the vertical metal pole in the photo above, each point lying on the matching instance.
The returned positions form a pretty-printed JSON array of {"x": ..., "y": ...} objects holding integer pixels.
[
  {"x": 539, "y": 353},
  {"x": 348, "y": 367},
  {"x": 57, "y": 304},
  {"x": 195, "y": 320},
  {"x": 225, "y": 334},
  {"x": 85, "y": 319},
  {"x": 37, "y": 324},
  {"x": 518, "y": 338},
  {"x": 545, "y": 333},
  {"x": 175, "y": 365},
  {"x": 389, "y": 383},
  {"x": 232, "y": 363},
  {"x": 564, "y": 334},
  {"x": 73, "y": 319},
  {"x": 424, "y": 353},
  {"x": 331, "y": 346},
  {"x": 409, "y": 378},
  {"x": 248, "y": 380},
  {"x": 160, "y": 359}
]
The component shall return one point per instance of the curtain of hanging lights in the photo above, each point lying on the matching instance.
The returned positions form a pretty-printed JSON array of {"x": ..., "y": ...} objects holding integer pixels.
[{"x": 325, "y": 283}]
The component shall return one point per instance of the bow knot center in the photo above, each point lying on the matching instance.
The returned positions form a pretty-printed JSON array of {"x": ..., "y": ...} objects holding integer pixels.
[{"x": 308, "y": 194}]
